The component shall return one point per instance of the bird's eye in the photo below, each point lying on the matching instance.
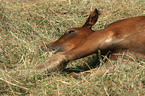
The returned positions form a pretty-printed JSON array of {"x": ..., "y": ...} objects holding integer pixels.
[{"x": 70, "y": 31}]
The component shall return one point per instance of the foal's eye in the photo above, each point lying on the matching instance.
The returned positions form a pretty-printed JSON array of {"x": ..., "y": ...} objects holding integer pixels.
[{"x": 70, "y": 31}]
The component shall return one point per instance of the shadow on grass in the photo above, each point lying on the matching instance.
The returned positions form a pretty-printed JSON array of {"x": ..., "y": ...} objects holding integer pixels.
[{"x": 91, "y": 63}]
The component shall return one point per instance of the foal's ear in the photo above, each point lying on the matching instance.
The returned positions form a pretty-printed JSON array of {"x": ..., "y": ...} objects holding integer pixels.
[{"x": 92, "y": 19}]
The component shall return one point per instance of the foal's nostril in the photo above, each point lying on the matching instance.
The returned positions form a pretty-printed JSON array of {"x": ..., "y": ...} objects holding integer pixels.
[
  {"x": 47, "y": 48},
  {"x": 50, "y": 48}
]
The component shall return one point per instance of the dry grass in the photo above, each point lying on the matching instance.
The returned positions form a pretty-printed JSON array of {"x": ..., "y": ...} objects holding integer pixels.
[{"x": 25, "y": 24}]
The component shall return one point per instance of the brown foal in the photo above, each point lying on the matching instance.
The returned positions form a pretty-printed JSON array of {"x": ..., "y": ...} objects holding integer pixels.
[{"x": 126, "y": 34}]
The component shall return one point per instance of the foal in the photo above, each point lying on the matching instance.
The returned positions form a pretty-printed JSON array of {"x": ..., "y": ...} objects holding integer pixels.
[{"x": 126, "y": 34}]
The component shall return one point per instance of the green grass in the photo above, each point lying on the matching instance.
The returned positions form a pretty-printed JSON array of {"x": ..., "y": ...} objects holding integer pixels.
[{"x": 26, "y": 24}]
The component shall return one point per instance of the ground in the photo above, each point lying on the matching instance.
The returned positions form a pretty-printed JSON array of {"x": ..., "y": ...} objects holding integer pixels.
[{"x": 26, "y": 24}]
